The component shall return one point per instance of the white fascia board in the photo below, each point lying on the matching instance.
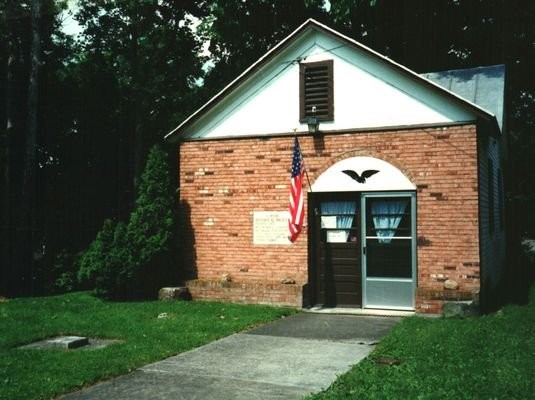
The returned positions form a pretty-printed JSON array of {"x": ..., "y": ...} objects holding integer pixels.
[
  {"x": 402, "y": 67},
  {"x": 365, "y": 97},
  {"x": 238, "y": 78},
  {"x": 254, "y": 92},
  {"x": 260, "y": 100},
  {"x": 361, "y": 81}
]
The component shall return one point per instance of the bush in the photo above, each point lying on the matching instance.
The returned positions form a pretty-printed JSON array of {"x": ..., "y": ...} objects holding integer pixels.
[
  {"x": 126, "y": 260},
  {"x": 150, "y": 227},
  {"x": 112, "y": 279},
  {"x": 58, "y": 274},
  {"x": 94, "y": 259},
  {"x": 66, "y": 264}
]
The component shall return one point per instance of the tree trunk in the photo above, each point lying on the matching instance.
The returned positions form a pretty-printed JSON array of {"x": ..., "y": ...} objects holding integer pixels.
[
  {"x": 138, "y": 134},
  {"x": 5, "y": 164},
  {"x": 25, "y": 235}
]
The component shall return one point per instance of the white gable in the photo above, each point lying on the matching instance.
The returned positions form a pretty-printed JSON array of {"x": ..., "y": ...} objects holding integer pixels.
[{"x": 369, "y": 92}]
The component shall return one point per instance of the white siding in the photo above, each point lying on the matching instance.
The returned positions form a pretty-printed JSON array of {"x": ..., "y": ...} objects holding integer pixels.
[{"x": 368, "y": 93}]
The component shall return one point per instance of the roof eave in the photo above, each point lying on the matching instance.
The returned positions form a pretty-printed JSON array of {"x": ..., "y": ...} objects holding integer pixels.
[{"x": 175, "y": 133}]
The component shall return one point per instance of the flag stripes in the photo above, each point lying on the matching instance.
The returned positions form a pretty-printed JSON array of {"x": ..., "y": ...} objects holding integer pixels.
[{"x": 297, "y": 208}]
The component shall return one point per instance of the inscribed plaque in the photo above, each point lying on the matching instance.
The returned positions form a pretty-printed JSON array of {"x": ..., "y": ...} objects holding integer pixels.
[{"x": 270, "y": 227}]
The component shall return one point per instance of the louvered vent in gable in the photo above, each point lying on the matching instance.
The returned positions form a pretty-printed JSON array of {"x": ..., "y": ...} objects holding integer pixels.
[{"x": 316, "y": 90}]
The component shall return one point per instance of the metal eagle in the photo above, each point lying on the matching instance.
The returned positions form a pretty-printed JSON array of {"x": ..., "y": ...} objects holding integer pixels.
[{"x": 362, "y": 177}]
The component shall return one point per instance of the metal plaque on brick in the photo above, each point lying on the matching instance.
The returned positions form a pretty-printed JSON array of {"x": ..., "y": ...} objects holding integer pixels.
[{"x": 270, "y": 227}]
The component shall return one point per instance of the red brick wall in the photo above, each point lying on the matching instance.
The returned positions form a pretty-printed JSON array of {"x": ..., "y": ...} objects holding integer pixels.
[
  {"x": 223, "y": 181},
  {"x": 247, "y": 293}
]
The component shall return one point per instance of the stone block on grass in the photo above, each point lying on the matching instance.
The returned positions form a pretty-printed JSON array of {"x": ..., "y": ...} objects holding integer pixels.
[{"x": 174, "y": 293}]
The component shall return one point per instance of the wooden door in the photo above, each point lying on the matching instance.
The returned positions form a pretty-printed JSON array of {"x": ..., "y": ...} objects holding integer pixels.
[{"x": 338, "y": 249}]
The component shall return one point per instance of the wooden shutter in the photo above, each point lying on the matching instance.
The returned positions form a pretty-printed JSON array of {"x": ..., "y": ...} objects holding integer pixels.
[{"x": 316, "y": 90}]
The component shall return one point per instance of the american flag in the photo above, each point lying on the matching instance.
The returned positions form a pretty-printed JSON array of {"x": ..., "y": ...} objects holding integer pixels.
[{"x": 297, "y": 208}]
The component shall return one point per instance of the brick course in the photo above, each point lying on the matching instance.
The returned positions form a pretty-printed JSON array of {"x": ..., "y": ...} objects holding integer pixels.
[
  {"x": 223, "y": 181},
  {"x": 247, "y": 292}
]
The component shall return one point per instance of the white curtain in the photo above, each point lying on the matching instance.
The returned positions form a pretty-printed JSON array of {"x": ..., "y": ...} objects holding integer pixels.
[
  {"x": 343, "y": 211},
  {"x": 387, "y": 215}
]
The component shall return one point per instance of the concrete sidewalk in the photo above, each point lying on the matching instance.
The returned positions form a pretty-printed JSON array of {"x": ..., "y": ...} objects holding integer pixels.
[{"x": 285, "y": 359}]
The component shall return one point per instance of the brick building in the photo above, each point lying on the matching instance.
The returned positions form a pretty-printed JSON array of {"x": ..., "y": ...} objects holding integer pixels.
[{"x": 426, "y": 226}]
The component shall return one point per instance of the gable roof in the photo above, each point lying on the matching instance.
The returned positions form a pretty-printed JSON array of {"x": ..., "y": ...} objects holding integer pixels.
[{"x": 430, "y": 81}]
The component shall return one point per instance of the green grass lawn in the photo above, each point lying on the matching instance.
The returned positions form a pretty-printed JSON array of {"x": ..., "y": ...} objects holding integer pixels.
[
  {"x": 488, "y": 357},
  {"x": 41, "y": 374}
]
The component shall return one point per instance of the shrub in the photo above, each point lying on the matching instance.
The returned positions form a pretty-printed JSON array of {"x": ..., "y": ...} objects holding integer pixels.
[
  {"x": 66, "y": 264},
  {"x": 94, "y": 259},
  {"x": 125, "y": 260},
  {"x": 150, "y": 227},
  {"x": 112, "y": 279},
  {"x": 58, "y": 275}
]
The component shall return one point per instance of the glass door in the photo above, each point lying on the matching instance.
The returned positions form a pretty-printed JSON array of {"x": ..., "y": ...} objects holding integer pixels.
[{"x": 389, "y": 250}]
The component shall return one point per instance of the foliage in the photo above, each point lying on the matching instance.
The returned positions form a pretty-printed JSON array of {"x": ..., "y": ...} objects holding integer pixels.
[
  {"x": 125, "y": 260},
  {"x": 95, "y": 258},
  {"x": 136, "y": 70},
  {"x": 120, "y": 85},
  {"x": 113, "y": 276},
  {"x": 239, "y": 32},
  {"x": 57, "y": 273},
  {"x": 64, "y": 270},
  {"x": 489, "y": 357},
  {"x": 31, "y": 374},
  {"x": 150, "y": 55},
  {"x": 151, "y": 224}
]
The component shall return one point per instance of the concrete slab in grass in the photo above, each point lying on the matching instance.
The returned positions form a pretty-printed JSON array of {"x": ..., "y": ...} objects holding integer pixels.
[{"x": 69, "y": 343}]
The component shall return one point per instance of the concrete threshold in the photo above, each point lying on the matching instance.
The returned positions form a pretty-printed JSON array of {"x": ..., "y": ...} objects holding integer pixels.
[{"x": 358, "y": 311}]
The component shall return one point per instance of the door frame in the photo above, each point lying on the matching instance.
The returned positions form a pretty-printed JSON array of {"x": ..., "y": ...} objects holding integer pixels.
[
  {"x": 313, "y": 247},
  {"x": 413, "y": 281}
]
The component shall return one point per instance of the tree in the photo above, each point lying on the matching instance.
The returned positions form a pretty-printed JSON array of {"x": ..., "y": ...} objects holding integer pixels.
[
  {"x": 95, "y": 259},
  {"x": 239, "y": 32},
  {"x": 26, "y": 221},
  {"x": 7, "y": 55},
  {"x": 106, "y": 96},
  {"x": 130, "y": 260},
  {"x": 150, "y": 227},
  {"x": 28, "y": 27},
  {"x": 149, "y": 54},
  {"x": 19, "y": 225},
  {"x": 120, "y": 85}
]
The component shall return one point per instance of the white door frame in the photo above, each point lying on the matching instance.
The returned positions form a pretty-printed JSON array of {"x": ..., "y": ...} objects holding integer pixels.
[{"x": 388, "y": 293}]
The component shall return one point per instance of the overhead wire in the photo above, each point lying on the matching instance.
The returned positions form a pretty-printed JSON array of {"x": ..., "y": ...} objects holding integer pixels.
[{"x": 287, "y": 64}]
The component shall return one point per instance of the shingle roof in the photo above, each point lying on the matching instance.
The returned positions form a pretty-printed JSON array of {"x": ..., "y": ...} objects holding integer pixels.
[{"x": 483, "y": 86}]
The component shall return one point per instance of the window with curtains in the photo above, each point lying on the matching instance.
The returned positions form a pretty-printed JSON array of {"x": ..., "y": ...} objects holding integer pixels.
[
  {"x": 389, "y": 237},
  {"x": 338, "y": 220},
  {"x": 386, "y": 217}
]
